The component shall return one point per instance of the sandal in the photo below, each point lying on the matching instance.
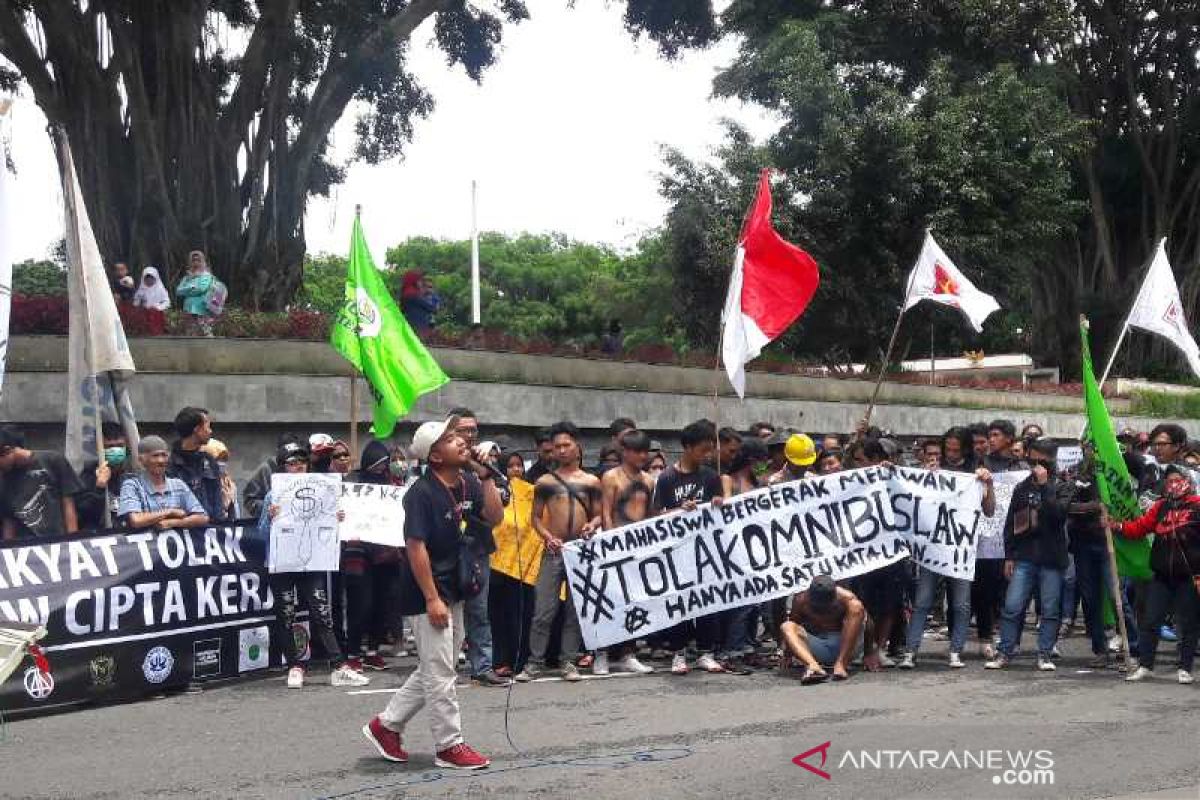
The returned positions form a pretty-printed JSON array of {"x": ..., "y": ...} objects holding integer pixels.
[{"x": 812, "y": 676}]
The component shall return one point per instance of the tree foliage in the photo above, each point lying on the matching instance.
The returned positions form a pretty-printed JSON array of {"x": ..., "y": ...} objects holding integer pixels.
[
  {"x": 206, "y": 123},
  {"x": 1047, "y": 144}
]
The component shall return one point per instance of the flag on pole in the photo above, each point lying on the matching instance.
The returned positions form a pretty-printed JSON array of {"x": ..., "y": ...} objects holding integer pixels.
[
  {"x": 1158, "y": 308},
  {"x": 1112, "y": 476},
  {"x": 934, "y": 277},
  {"x": 99, "y": 364},
  {"x": 770, "y": 287},
  {"x": 372, "y": 334},
  {"x": 5, "y": 254}
]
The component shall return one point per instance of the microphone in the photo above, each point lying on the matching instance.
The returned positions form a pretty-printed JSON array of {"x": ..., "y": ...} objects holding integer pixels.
[{"x": 500, "y": 478}]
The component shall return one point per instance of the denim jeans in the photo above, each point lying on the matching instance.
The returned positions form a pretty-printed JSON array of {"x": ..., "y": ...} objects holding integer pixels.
[
  {"x": 959, "y": 590},
  {"x": 479, "y": 628},
  {"x": 1026, "y": 577},
  {"x": 1070, "y": 592},
  {"x": 1093, "y": 580}
]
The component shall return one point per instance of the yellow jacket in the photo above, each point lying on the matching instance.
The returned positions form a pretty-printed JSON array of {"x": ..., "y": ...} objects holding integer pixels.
[{"x": 518, "y": 546}]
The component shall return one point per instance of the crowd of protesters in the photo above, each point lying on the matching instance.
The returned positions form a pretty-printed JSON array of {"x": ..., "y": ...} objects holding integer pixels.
[{"x": 480, "y": 585}]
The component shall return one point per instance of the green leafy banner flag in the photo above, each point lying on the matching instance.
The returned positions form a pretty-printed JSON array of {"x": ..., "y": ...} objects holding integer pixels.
[
  {"x": 1112, "y": 476},
  {"x": 372, "y": 334}
]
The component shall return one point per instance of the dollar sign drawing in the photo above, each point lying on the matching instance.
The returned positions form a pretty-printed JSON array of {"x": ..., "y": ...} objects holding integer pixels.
[{"x": 306, "y": 502}]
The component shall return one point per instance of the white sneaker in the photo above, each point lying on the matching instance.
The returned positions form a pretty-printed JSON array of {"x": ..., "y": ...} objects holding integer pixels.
[
  {"x": 630, "y": 663},
  {"x": 956, "y": 661},
  {"x": 707, "y": 663},
  {"x": 295, "y": 679},
  {"x": 679, "y": 665},
  {"x": 886, "y": 661},
  {"x": 987, "y": 650},
  {"x": 344, "y": 676},
  {"x": 1139, "y": 674},
  {"x": 907, "y": 662},
  {"x": 1185, "y": 677},
  {"x": 1044, "y": 664},
  {"x": 600, "y": 663},
  {"x": 999, "y": 662},
  {"x": 1054, "y": 653}
]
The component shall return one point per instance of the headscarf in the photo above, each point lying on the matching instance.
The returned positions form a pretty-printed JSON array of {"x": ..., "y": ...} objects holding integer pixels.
[
  {"x": 155, "y": 296},
  {"x": 411, "y": 283}
]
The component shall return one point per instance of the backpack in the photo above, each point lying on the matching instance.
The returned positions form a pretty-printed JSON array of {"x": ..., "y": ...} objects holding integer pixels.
[{"x": 215, "y": 301}]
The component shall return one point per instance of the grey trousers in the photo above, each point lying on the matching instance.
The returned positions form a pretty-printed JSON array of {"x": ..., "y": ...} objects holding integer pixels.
[{"x": 545, "y": 607}]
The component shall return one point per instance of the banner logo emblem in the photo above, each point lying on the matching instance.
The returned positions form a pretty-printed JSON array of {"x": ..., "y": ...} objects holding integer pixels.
[
  {"x": 158, "y": 664},
  {"x": 103, "y": 670},
  {"x": 38, "y": 685}
]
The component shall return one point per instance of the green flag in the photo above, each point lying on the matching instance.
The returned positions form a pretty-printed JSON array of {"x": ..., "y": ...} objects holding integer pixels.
[
  {"x": 375, "y": 337},
  {"x": 1112, "y": 476}
]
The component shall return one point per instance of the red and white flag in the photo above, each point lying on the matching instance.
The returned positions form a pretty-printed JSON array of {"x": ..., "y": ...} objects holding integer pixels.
[
  {"x": 771, "y": 285},
  {"x": 936, "y": 278}
]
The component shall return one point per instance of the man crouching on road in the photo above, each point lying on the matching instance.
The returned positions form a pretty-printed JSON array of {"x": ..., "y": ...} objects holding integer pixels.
[
  {"x": 436, "y": 508},
  {"x": 826, "y": 627}
]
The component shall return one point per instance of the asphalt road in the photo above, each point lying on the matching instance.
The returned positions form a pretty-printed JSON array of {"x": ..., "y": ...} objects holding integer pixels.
[{"x": 659, "y": 736}]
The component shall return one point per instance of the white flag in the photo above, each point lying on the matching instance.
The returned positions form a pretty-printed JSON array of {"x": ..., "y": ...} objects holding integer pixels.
[
  {"x": 1158, "y": 308},
  {"x": 99, "y": 361},
  {"x": 5, "y": 254},
  {"x": 936, "y": 278}
]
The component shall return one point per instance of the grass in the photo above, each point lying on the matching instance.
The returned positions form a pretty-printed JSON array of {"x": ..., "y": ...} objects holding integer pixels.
[{"x": 1166, "y": 406}]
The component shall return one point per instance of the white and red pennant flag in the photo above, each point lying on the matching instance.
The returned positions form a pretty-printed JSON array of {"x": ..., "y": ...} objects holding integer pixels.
[
  {"x": 1158, "y": 308},
  {"x": 771, "y": 285},
  {"x": 936, "y": 278}
]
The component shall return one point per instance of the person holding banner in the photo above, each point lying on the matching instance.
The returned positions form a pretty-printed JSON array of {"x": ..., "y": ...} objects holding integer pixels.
[
  {"x": 566, "y": 506},
  {"x": 37, "y": 496},
  {"x": 1175, "y": 562},
  {"x": 152, "y": 499},
  {"x": 102, "y": 481},
  {"x": 1035, "y": 550},
  {"x": 959, "y": 590},
  {"x": 290, "y": 587},
  {"x": 436, "y": 506}
]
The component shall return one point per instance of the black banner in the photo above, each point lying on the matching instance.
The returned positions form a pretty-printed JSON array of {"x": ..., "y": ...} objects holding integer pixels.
[{"x": 131, "y": 613}]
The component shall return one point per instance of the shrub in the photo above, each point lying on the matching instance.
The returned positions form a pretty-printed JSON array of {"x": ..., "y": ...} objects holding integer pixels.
[{"x": 38, "y": 315}]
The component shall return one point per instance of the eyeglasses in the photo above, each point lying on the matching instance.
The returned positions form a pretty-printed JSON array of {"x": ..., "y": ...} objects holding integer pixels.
[{"x": 1162, "y": 443}]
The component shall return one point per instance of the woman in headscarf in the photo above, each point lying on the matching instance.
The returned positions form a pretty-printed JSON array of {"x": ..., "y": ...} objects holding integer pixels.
[
  {"x": 193, "y": 292},
  {"x": 151, "y": 293}
]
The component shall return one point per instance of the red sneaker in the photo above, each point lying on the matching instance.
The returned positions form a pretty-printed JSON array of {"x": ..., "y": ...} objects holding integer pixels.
[
  {"x": 461, "y": 756},
  {"x": 375, "y": 662},
  {"x": 387, "y": 742},
  {"x": 355, "y": 663}
]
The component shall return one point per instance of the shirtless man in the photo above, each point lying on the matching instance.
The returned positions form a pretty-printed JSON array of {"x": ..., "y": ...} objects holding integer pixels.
[
  {"x": 566, "y": 506},
  {"x": 827, "y": 626},
  {"x": 626, "y": 491}
]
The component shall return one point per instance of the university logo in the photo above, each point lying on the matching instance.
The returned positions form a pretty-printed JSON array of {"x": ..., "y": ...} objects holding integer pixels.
[
  {"x": 943, "y": 283},
  {"x": 370, "y": 320},
  {"x": 800, "y": 760},
  {"x": 103, "y": 670},
  {"x": 38, "y": 685},
  {"x": 206, "y": 658},
  {"x": 157, "y": 664},
  {"x": 1173, "y": 316}
]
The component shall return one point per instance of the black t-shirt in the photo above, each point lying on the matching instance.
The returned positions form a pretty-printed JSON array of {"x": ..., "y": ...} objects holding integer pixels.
[
  {"x": 32, "y": 495},
  {"x": 674, "y": 488},
  {"x": 437, "y": 514}
]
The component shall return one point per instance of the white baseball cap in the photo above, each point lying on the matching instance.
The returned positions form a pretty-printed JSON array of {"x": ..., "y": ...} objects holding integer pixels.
[{"x": 429, "y": 434}]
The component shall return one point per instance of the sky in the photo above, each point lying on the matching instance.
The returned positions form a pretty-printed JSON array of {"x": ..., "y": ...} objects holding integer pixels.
[{"x": 565, "y": 134}]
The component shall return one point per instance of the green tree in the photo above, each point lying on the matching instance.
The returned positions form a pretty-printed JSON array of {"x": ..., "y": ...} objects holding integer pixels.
[
  {"x": 199, "y": 124},
  {"x": 39, "y": 279}
]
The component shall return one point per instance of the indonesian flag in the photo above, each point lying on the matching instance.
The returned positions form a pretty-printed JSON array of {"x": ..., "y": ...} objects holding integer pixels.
[
  {"x": 936, "y": 278},
  {"x": 771, "y": 285},
  {"x": 1158, "y": 308}
]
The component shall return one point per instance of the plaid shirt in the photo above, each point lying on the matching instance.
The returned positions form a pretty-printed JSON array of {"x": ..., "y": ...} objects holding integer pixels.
[{"x": 138, "y": 495}]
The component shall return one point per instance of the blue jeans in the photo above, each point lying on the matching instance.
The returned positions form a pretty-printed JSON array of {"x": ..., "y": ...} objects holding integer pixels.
[
  {"x": 959, "y": 590},
  {"x": 1048, "y": 581},
  {"x": 1070, "y": 592},
  {"x": 1093, "y": 580},
  {"x": 479, "y": 628}
]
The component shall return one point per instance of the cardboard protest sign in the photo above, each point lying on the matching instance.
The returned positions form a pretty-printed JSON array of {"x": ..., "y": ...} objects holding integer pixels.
[
  {"x": 304, "y": 533},
  {"x": 991, "y": 529},
  {"x": 372, "y": 513},
  {"x": 770, "y": 543}
]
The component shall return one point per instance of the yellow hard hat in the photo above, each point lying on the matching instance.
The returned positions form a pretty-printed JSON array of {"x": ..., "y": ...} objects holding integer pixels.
[{"x": 800, "y": 450}]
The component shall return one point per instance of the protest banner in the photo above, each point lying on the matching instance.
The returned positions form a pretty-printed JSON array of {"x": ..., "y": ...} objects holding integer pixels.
[
  {"x": 990, "y": 542},
  {"x": 372, "y": 513},
  {"x": 770, "y": 543},
  {"x": 304, "y": 534},
  {"x": 133, "y": 613},
  {"x": 1068, "y": 457}
]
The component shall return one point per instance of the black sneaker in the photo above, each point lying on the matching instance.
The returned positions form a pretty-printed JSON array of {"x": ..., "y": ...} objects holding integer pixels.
[{"x": 490, "y": 678}]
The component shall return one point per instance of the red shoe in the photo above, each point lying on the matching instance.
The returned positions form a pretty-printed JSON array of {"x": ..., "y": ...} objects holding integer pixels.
[
  {"x": 375, "y": 662},
  {"x": 355, "y": 663},
  {"x": 387, "y": 742},
  {"x": 461, "y": 756}
]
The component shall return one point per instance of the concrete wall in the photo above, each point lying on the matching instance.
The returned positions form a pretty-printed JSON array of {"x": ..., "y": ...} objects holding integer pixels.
[{"x": 258, "y": 389}]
